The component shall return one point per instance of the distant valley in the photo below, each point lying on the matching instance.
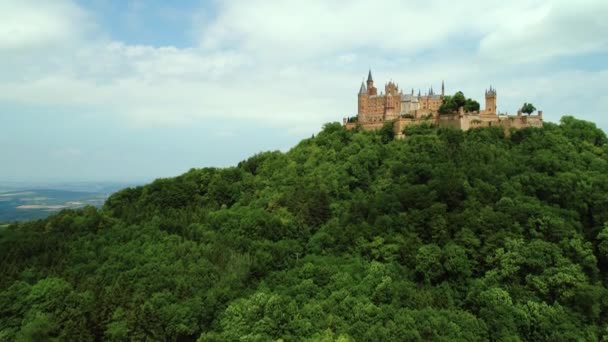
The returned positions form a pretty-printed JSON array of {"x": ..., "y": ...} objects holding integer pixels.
[{"x": 20, "y": 203}]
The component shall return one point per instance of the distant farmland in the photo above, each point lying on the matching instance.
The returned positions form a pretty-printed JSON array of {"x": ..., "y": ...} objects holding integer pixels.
[{"x": 36, "y": 204}]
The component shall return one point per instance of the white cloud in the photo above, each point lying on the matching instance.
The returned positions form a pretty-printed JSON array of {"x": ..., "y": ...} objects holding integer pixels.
[
  {"x": 526, "y": 30},
  {"x": 26, "y": 24},
  {"x": 547, "y": 30},
  {"x": 275, "y": 29},
  {"x": 295, "y": 64}
]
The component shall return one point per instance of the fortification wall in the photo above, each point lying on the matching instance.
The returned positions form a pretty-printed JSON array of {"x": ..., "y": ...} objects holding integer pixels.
[
  {"x": 401, "y": 123},
  {"x": 521, "y": 121},
  {"x": 452, "y": 121}
]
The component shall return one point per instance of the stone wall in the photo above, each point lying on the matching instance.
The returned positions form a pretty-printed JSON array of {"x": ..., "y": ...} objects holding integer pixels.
[
  {"x": 430, "y": 102},
  {"x": 456, "y": 121}
]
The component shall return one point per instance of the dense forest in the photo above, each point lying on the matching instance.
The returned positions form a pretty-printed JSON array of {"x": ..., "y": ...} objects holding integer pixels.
[{"x": 349, "y": 236}]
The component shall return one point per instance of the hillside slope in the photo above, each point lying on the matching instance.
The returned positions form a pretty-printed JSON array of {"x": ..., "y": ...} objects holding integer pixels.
[{"x": 445, "y": 235}]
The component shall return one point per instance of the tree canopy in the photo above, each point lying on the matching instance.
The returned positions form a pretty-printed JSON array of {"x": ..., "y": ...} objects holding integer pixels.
[
  {"x": 451, "y": 104},
  {"x": 349, "y": 236},
  {"x": 528, "y": 108}
]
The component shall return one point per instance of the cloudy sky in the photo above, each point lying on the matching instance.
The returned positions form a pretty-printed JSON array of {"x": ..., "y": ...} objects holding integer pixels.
[{"x": 131, "y": 90}]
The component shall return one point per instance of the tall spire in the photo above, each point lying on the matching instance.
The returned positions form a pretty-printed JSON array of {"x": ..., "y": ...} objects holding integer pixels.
[
  {"x": 442, "y": 88},
  {"x": 369, "y": 76},
  {"x": 362, "y": 90}
]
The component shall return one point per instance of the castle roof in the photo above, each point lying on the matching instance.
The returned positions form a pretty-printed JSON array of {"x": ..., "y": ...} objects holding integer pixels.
[
  {"x": 362, "y": 90},
  {"x": 369, "y": 76}
]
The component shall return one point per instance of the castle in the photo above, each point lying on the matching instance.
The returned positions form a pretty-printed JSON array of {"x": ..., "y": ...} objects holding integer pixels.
[{"x": 374, "y": 110}]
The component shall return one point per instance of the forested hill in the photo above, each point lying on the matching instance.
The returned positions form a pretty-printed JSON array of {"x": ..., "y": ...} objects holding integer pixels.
[{"x": 349, "y": 236}]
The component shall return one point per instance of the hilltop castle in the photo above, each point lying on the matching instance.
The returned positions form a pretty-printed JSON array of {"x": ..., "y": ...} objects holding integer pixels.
[{"x": 374, "y": 110}]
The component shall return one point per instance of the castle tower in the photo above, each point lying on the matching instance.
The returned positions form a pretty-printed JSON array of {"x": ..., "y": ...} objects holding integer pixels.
[
  {"x": 362, "y": 99},
  {"x": 442, "y": 89},
  {"x": 491, "y": 101},
  {"x": 391, "y": 88},
  {"x": 389, "y": 107}
]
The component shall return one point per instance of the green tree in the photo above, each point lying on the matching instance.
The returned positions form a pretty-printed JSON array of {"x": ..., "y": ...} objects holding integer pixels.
[
  {"x": 471, "y": 106},
  {"x": 428, "y": 263},
  {"x": 451, "y": 104},
  {"x": 528, "y": 108},
  {"x": 448, "y": 105},
  {"x": 387, "y": 132},
  {"x": 459, "y": 99}
]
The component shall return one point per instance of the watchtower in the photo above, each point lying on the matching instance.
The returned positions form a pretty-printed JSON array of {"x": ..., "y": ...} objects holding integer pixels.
[{"x": 490, "y": 101}]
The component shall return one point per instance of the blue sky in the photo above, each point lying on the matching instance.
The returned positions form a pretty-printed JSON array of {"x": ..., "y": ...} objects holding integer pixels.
[{"x": 134, "y": 90}]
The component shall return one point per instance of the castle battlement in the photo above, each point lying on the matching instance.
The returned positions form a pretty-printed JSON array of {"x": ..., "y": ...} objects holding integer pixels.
[{"x": 374, "y": 110}]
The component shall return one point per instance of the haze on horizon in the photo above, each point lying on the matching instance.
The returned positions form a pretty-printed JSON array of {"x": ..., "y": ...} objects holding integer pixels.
[{"x": 132, "y": 90}]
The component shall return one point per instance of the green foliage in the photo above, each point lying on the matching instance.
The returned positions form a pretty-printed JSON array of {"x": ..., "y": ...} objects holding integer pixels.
[
  {"x": 459, "y": 100},
  {"x": 528, "y": 108},
  {"x": 448, "y": 106},
  {"x": 451, "y": 104},
  {"x": 471, "y": 106},
  {"x": 387, "y": 132},
  {"x": 421, "y": 129},
  {"x": 349, "y": 236}
]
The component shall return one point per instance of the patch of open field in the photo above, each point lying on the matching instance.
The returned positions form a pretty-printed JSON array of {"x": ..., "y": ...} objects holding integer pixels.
[
  {"x": 27, "y": 204},
  {"x": 74, "y": 203},
  {"x": 38, "y": 206},
  {"x": 12, "y": 194}
]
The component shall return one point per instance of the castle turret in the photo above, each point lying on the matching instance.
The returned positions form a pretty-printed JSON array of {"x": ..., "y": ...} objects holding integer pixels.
[
  {"x": 391, "y": 88},
  {"x": 362, "y": 99},
  {"x": 490, "y": 101}
]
